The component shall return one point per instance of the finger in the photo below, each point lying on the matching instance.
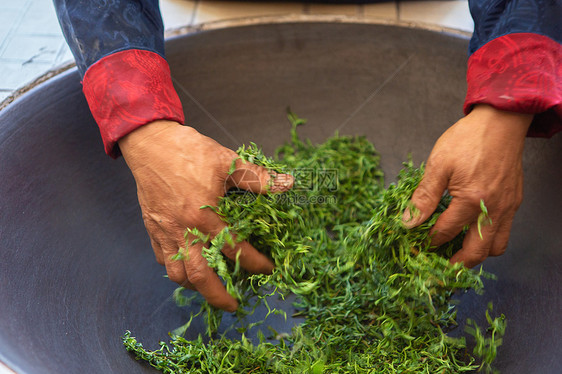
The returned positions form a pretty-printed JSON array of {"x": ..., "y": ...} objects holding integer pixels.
[
  {"x": 475, "y": 249},
  {"x": 157, "y": 251},
  {"x": 258, "y": 179},
  {"x": 502, "y": 237},
  {"x": 206, "y": 281},
  {"x": 451, "y": 222},
  {"x": 426, "y": 197},
  {"x": 249, "y": 257},
  {"x": 175, "y": 267},
  {"x": 280, "y": 182},
  {"x": 153, "y": 231},
  {"x": 505, "y": 222}
]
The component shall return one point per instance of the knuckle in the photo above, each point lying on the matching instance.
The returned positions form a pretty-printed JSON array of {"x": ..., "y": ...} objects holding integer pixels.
[
  {"x": 229, "y": 252},
  {"x": 443, "y": 235},
  {"x": 206, "y": 222},
  {"x": 423, "y": 199},
  {"x": 197, "y": 276},
  {"x": 197, "y": 270},
  {"x": 159, "y": 256},
  {"x": 473, "y": 198},
  {"x": 150, "y": 217},
  {"x": 435, "y": 161},
  {"x": 510, "y": 199},
  {"x": 499, "y": 250},
  {"x": 226, "y": 156},
  {"x": 149, "y": 224},
  {"x": 476, "y": 257},
  {"x": 223, "y": 160},
  {"x": 422, "y": 194},
  {"x": 154, "y": 221},
  {"x": 176, "y": 276},
  {"x": 500, "y": 245},
  {"x": 198, "y": 217},
  {"x": 518, "y": 199}
]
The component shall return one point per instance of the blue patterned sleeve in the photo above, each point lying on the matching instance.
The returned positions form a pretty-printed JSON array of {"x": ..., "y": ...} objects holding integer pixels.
[
  {"x": 495, "y": 18},
  {"x": 97, "y": 28}
]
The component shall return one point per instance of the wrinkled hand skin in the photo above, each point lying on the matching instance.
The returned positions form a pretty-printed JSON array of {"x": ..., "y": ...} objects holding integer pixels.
[
  {"x": 479, "y": 157},
  {"x": 177, "y": 171}
]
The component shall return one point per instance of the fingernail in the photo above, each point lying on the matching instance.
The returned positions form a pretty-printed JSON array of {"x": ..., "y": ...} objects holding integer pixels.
[
  {"x": 288, "y": 182},
  {"x": 282, "y": 182},
  {"x": 407, "y": 220}
]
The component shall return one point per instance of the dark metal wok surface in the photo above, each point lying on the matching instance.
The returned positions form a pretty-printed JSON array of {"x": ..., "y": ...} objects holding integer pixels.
[{"x": 76, "y": 268}]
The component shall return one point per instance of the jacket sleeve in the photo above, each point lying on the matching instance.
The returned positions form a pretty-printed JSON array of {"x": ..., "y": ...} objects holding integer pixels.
[
  {"x": 515, "y": 60},
  {"x": 118, "y": 46}
]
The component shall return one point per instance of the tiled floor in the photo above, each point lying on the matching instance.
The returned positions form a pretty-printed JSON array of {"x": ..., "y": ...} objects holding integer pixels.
[{"x": 31, "y": 42}]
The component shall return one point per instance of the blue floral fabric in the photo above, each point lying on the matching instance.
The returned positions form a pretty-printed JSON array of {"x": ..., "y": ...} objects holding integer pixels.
[
  {"x": 96, "y": 28},
  {"x": 495, "y": 18}
]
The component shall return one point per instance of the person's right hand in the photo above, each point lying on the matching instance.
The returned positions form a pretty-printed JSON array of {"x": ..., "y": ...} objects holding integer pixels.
[{"x": 177, "y": 171}]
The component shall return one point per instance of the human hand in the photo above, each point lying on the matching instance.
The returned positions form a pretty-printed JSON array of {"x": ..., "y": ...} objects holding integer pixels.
[
  {"x": 177, "y": 171},
  {"x": 478, "y": 158}
]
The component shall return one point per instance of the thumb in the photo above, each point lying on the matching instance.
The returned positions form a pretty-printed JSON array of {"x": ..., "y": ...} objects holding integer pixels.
[
  {"x": 426, "y": 197},
  {"x": 258, "y": 179}
]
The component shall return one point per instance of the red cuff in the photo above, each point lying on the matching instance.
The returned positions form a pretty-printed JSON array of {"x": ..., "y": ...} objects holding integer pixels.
[
  {"x": 129, "y": 89},
  {"x": 519, "y": 73}
]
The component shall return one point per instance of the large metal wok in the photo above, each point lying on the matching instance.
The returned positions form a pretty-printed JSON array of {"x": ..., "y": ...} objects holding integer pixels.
[{"x": 76, "y": 268}]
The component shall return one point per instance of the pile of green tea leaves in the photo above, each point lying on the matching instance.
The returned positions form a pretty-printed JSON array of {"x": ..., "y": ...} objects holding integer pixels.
[{"x": 374, "y": 297}]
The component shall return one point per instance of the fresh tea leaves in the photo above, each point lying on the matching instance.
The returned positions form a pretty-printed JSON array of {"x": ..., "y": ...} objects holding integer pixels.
[{"x": 375, "y": 297}]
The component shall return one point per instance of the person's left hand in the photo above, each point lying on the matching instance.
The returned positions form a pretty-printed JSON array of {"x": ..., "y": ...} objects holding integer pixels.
[
  {"x": 178, "y": 170},
  {"x": 478, "y": 158}
]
